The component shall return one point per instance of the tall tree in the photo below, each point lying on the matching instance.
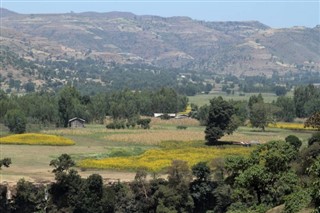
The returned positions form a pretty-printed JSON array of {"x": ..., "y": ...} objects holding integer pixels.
[
  {"x": 306, "y": 100},
  {"x": 16, "y": 121},
  {"x": 254, "y": 99},
  {"x": 69, "y": 100},
  {"x": 202, "y": 188},
  {"x": 219, "y": 118},
  {"x": 266, "y": 176},
  {"x": 287, "y": 111},
  {"x": 262, "y": 114}
]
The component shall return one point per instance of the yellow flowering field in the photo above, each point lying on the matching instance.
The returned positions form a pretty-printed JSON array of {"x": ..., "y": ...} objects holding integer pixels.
[
  {"x": 284, "y": 125},
  {"x": 156, "y": 160},
  {"x": 36, "y": 139}
]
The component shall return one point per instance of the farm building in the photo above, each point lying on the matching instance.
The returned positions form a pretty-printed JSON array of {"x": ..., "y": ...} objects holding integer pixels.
[
  {"x": 76, "y": 122},
  {"x": 158, "y": 115}
]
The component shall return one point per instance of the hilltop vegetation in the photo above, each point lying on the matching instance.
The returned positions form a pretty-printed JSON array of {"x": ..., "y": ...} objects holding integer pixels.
[{"x": 97, "y": 50}]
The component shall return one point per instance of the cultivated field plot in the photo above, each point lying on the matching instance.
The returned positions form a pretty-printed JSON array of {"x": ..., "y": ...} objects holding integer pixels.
[
  {"x": 36, "y": 139},
  {"x": 116, "y": 154},
  {"x": 203, "y": 99}
]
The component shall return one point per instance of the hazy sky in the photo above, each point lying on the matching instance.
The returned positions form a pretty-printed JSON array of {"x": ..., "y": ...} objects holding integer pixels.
[{"x": 275, "y": 13}]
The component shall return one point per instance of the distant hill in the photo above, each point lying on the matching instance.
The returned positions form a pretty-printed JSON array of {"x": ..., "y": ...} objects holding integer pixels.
[{"x": 239, "y": 48}]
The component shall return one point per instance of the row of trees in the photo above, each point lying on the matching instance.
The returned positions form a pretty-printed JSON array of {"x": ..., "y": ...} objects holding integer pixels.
[
  {"x": 274, "y": 173},
  {"x": 57, "y": 108},
  {"x": 231, "y": 114}
]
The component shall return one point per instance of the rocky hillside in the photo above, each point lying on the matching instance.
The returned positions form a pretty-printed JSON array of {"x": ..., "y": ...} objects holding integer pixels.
[{"x": 248, "y": 48}]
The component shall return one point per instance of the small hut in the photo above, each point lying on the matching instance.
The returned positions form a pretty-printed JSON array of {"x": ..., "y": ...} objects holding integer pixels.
[{"x": 76, "y": 122}]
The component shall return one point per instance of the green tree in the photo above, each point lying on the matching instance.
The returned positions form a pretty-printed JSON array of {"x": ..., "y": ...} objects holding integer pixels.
[
  {"x": 287, "y": 111},
  {"x": 202, "y": 114},
  {"x": 29, "y": 198},
  {"x": 16, "y": 121},
  {"x": 279, "y": 90},
  {"x": 240, "y": 109},
  {"x": 219, "y": 118},
  {"x": 266, "y": 176},
  {"x": 66, "y": 190},
  {"x": 314, "y": 170},
  {"x": 313, "y": 121},
  {"x": 62, "y": 163},
  {"x": 294, "y": 141},
  {"x": 306, "y": 100},
  {"x": 91, "y": 196},
  {"x": 98, "y": 108},
  {"x": 144, "y": 123},
  {"x": 29, "y": 87},
  {"x": 174, "y": 196},
  {"x": 254, "y": 99},
  {"x": 68, "y": 102},
  {"x": 262, "y": 114},
  {"x": 315, "y": 138},
  {"x": 259, "y": 116},
  {"x": 202, "y": 188}
]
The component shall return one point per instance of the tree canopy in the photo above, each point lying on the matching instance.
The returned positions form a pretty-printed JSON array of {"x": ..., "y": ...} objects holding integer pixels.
[{"x": 219, "y": 118}]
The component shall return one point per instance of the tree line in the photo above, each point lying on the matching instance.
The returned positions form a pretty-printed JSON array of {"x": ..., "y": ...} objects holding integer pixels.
[
  {"x": 304, "y": 103},
  {"x": 45, "y": 108}
]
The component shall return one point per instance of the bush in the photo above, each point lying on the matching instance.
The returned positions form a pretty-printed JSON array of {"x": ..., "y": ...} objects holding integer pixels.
[
  {"x": 165, "y": 116},
  {"x": 144, "y": 123},
  {"x": 116, "y": 125},
  {"x": 182, "y": 127},
  {"x": 297, "y": 201},
  {"x": 294, "y": 141},
  {"x": 16, "y": 121},
  {"x": 315, "y": 138}
]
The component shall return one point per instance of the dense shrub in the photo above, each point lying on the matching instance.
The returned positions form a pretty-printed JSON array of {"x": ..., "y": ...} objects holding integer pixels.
[
  {"x": 116, "y": 125},
  {"x": 315, "y": 138},
  {"x": 144, "y": 123},
  {"x": 165, "y": 116},
  {"x": 182, "y": 127},
  {"x": 294, "y": 141},
  {"x": 297, "y": 201},
  {"x": 16, "y": 121}
]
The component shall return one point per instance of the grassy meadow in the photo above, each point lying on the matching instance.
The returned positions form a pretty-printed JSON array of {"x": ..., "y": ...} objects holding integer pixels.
[
  {"x": 202, "y": 99},
  {"x": 119, "y": 153}
]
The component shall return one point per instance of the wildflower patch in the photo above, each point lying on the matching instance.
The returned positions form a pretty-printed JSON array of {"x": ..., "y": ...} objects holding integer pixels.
[{"x": 36, "y": 139}]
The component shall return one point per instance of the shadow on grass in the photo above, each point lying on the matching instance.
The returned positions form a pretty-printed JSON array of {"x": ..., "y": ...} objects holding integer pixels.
[{"x": 221, "y": 143}]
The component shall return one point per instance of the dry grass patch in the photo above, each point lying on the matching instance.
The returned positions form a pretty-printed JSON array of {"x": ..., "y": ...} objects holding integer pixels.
[
  {"x": 254, "y": 136},
  {"x": 154, "y": 137},
  {"x": 176, "y": 122},
  {"x": 70, "y": 131},
  {"x": 36, "y": 139}
]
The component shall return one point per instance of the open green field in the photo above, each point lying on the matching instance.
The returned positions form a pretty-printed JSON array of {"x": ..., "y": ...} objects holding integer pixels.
[
  {"x": 96, "y": 142},
  {"x": 202, "y": 99}
]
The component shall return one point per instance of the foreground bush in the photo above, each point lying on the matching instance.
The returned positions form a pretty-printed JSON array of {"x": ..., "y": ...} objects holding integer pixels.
[
  {"x": 315, "y": 138},
  {"x": 294, "y": 141}
]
